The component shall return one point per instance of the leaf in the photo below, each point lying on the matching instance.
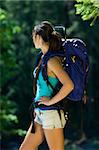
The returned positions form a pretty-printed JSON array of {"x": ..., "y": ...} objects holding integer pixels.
[
  {"x": 88, "y": 9},
  {"x": 16, "y": 29}
]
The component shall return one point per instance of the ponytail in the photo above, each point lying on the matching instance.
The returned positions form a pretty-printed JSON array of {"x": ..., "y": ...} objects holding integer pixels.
[
  {"x": 55, "y": 42},
  {"x": 48, "y": 34}
]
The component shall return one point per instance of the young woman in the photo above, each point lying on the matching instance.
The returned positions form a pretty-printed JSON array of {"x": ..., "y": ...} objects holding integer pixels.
[{"x": 47, "y": 122}]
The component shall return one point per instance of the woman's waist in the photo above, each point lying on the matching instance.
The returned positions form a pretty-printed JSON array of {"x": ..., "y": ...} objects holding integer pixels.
[
  {"x": 55, "y": 106},
  {"x": 40, "y": 94}
]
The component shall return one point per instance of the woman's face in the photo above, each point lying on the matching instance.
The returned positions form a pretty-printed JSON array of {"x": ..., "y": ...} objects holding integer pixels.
[{"x": 37, "y": 40}]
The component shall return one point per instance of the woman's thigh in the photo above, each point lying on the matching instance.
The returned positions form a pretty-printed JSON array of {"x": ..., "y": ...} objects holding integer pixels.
[
  {"x": 32, "y": 140},
  {"x": 55, "y": 138}
]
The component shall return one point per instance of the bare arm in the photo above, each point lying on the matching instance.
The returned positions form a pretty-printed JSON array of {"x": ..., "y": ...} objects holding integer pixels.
[{"x": 67, "y": 85}]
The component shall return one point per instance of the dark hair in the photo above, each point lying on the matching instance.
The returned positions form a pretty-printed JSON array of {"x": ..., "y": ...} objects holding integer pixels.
[{"x": 48, "y": 34}]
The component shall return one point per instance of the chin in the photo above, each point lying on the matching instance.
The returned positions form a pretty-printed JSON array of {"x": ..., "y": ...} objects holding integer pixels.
[{"x": 36, "y": 47}]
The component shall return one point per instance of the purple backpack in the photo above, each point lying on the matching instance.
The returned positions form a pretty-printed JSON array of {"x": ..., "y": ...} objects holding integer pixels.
[{"x": 76, "y": 64}]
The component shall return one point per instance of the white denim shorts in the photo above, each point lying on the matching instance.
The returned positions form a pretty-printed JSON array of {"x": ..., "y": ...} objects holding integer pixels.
[{"x": 50, "y": 119}]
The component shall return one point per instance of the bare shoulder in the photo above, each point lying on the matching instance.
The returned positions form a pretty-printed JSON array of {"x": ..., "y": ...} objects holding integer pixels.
[
  {"x": 55, "y": 66},
  {"x": 54, "y": 61}
]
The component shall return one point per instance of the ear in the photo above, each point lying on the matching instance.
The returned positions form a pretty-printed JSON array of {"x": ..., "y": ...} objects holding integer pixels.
[
  {"x": 37, "y": 37},
  {"x": 40, "y": 40}
]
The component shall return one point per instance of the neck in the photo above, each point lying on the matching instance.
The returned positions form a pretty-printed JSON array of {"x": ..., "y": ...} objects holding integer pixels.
[{"x": 45, "y": 48}]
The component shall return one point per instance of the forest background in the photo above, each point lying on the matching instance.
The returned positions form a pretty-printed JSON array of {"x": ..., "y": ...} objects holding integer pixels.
[{"x": 17, "y": 58}]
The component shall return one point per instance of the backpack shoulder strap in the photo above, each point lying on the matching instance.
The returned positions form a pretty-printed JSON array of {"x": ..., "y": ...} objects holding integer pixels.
[
  {"x": 38, "y": 59},
  {"x": 45, "y": 59},
  {"x": 37, "y": 70}
]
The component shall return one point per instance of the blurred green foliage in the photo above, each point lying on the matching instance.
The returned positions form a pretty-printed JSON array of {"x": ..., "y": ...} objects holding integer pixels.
[
  {"x": 17, "y": 57},
  {"x": 89, "y": 9},
  {"x": 9, "y": 70}
]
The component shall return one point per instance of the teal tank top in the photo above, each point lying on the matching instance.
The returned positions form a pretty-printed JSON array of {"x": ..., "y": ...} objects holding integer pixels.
[{"x": 42, "y": 88}]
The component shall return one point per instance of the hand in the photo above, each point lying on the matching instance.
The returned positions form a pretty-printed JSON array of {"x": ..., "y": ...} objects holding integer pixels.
[{"x": 44, "y": 100}]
